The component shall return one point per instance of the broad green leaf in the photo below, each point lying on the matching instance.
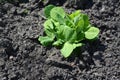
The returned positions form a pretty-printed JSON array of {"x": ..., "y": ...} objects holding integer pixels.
[
  {"x": 69, "y": 34},
  {"x": 80, "y": 26},
  {"x": 57, "y": 10},
  {"x": 45, "y": 40},
  {"x": 81, "y": 22},
  {"x": 47, "y": 10},
  {"x": 59, "y": 32},
  {"x": 68, "y": 49},
  {"x": 69, "y": 22},
  {"x": 91, "y": 33},
  {"x": 48, "y": 24},
  {"x": 49, "y": 28},
  {"x": 73, "y": 37},
  {"x": 76, "y": 19},
  {"x": 74, "y": 14},
  {"x": 58, "y": 14}
]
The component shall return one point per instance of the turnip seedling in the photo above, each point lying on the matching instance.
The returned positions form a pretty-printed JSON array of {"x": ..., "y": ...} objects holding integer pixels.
[{"x": 66, "y": 30}]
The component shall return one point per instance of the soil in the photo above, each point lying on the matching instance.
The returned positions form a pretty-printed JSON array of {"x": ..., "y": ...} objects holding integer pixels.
[{"x": 22, "y": 57}]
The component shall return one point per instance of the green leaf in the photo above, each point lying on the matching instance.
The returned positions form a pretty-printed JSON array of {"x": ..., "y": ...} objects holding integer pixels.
[
  {"x": 68, "y": 49},
  {"x": 86, "y": 21},
  {"x": 58, "y": 14},
  {"x": 82, "y": 22},
  {"x": 58, "y": 42},
  {"x": 47, "y": 10},
  {"x": 67, "y": 34},
  {"x": 77, "y": 19},
  {"x": 69, "y": 22},
  {"x": 49, "y": 28},
  {"x": 74, "y": 14},
  {"x": 59, "y": 32},
  {"x": 80, "y": 26},
  {"x": 80, "y": 37},
  {"x": 92, "y": 33},
  {"x": 45, "y": 40}
]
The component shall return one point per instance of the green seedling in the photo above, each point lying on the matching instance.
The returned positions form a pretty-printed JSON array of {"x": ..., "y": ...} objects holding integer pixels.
[{"x": 66, "y": 30}]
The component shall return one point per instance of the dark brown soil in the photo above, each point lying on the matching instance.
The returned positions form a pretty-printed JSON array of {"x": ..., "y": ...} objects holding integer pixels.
[{"x": 22, "y": 57}]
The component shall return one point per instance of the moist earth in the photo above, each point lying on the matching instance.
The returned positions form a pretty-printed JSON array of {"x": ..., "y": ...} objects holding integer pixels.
[{"x": 22, "y": 57}]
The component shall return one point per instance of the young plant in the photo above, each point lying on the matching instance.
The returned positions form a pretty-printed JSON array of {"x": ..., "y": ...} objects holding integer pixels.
[{"x": 66, "y": 30}]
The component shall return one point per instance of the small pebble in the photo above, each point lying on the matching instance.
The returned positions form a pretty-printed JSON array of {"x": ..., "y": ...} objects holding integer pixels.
[{"x": 11, "y": 57}]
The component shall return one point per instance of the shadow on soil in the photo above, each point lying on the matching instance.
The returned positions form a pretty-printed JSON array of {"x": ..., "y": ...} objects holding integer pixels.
[
  {"x": 78, "y": 4},
  {"x": 87, "y": 55}
]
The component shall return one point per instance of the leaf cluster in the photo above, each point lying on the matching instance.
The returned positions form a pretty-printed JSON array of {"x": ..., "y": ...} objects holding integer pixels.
[{"x": 66, "y": 30}]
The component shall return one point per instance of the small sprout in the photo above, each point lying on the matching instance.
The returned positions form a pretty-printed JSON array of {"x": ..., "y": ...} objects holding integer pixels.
[{"x": 66, "y": 30}]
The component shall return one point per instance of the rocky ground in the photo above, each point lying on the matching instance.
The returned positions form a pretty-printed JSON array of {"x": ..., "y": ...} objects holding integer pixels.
[{"x": 22, "y": 57}]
